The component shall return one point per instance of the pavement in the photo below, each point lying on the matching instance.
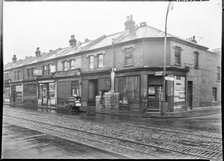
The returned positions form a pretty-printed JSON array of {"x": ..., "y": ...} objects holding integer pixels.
[{"x": 195, "y": 112}]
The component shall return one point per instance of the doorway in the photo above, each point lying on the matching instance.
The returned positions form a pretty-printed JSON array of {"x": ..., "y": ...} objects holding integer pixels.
[
  {"x": 154, "y": 94},
  {"x": 92, "y": 92},
  {"x": 189, "y": 94}
]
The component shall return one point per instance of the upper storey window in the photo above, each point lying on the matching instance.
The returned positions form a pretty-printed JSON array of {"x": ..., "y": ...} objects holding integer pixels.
[
  {"x": 72, "y": 64},
  {"x": 65, "y": 65},
  {"x": 177, "y": 54},
  {"x": 128, "y": 56},
  {"x": 99, "y": 60},
  {"x": 196, "y": 59},
  {"x": 91, "y": 62}
]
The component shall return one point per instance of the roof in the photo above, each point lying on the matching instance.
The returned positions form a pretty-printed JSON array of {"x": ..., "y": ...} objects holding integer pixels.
[{"x": 102, "y": 41}]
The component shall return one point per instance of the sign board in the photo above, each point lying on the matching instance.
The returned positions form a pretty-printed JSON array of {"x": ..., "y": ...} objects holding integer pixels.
[
  {"x": 170, "y": 78},
  {"x": 19, "y": 89},
  {"x": 37, "y": 72},
  {"x": 159, "y": 73}
]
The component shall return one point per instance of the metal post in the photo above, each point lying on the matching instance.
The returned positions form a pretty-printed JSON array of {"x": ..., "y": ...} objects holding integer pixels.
[
  {"x": 113, "y": 69},
  {"x": 164, "y": 56}
]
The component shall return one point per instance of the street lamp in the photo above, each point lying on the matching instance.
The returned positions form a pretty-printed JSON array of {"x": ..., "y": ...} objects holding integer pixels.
[
  {"x": 113, "y": 68},
  {"x": 170, "y": 6}
]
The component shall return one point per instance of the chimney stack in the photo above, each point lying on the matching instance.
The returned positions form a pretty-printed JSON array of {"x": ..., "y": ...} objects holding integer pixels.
[
  {"x": 14, "y": 59},
  {"x": 130, "y": 24},
  {"x": 72, "y": 41},
  {"x": 194, "y": 40},
  {"x": 37, "y": 53},
  {"x": 142, "y": 24}
]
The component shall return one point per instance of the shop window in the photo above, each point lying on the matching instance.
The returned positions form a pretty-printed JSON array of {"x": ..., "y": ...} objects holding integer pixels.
[
  {"x": 99, "y": 60},
  {"x": 91, "y": 62},
  {"x": 128, "y": 87},
  {"x": 177, "y": 60},
  {"x": 218, "y": 73},
  {"x": 214, "y": 93},
  {"x": 65, "y": 65},
  {"x": 196, "y": 59},
  {"x": 72, "y": 64},
  {"x": 128, "y": 56}
]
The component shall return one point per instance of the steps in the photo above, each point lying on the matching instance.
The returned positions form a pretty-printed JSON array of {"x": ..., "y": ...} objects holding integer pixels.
[{"x": 152, "y": 110}]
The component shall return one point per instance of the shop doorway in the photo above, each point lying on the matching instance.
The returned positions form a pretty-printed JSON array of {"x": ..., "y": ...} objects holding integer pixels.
[
  {"x": 189, "y": 94},
  {"x": 92, "y": 92},
  {"x": 43, "y": 93},
  {"x": 154, "y": 94}
]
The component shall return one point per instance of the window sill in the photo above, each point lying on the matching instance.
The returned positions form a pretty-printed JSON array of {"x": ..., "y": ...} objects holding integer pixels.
[
  {"x": 218, "y": 81},
  {"x": 129, "y": 65},
  {"x": 196, "y": 67},
  {"x": 177, "y": 65}
]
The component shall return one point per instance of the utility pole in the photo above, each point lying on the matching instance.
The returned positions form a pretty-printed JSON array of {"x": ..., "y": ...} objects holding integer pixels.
[{"x": 170, "y": 6}]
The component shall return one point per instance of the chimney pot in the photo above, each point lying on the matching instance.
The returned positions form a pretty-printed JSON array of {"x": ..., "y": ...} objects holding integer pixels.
[
  {"x": 72, "y": 41},
  {"x": 37, "y": 53},
  {"x": 14, "y": 59},
  {"x": 130, "y": 24}
]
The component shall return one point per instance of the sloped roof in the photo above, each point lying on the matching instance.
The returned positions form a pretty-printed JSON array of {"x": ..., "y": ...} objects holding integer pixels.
[{"x": 102, "y": 41}]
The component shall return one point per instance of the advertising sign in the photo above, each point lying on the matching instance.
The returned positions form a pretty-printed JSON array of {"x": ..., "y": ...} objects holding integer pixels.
[
  {"x": 179, "y": 92},
  {"x": 37, "y": 72},
  {"x": 19, "y": 89}
]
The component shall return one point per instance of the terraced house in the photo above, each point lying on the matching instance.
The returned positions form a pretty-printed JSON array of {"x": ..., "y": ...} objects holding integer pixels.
[{"x": 129, "y": 62}]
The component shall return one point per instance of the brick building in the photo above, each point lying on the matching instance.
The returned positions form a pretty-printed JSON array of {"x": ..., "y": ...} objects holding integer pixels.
[{"x": 136, "y": 57}]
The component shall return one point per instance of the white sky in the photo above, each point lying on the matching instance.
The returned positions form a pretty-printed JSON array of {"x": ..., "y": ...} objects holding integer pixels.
[{"x": 49, "y": 25}]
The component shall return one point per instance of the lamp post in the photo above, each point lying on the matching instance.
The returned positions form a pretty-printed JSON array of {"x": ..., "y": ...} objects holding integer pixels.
[
  {"x": 170, "y": 6},
  {"x": 113, "y": 68}
]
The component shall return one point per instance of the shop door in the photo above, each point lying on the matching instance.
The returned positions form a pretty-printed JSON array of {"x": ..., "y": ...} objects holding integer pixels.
[
  {"x": 154, "y": 93},
  {"x": 189, "y": 93},
  {"x": 44, "y": 93},
  {"x": 92, "y": 92}
]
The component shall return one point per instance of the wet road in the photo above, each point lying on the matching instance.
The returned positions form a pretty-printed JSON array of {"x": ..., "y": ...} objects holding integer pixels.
[{"x": 170, "y": 138}]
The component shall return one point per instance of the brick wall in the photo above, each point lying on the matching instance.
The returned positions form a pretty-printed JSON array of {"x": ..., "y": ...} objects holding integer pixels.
[{"x": 204, "y": 78}]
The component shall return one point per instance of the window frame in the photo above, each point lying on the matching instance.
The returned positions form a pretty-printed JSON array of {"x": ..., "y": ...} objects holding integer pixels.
[
  {"x": 91, "y": 64},
  {"x": 100, "y": 62},
  {"x": 196, "y": 59},
  {"x": 128, "y": 55},
  {"x": 177, "y": 56},
  {"x": 72, "y": 67},
  {"x": 218, "y": 73},
  {"x": 64, "y": 65},
  {"x": 214, "y": 94},
  {"x": 28, "y": 72}
]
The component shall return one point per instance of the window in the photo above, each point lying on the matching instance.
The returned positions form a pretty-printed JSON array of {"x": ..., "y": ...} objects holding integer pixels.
[
  {"x": 44, "y": 70},
  {"x": 128, "y": 58},
  {"x": 196, "y": 61},
  {"x": 65, "y": 65},
  {"x": 214, "y": 94},
  {"x": 19, "y": 75},
  {"x": 15, "y": 75},
  {"x": 91, "y": 62},
  {"x": 28, "y": 72},
  {"x": 218, "y": 73},
  {"x": 31, "y": 72},
  {"x": 72, "y": 64},
  {"x": 48, "y": 69},
  {"x": 99, "y": 60},
  {"x": 177, "y": 55}
]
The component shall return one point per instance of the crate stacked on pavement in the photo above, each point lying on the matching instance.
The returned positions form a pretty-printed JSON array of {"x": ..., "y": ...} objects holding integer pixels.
[
  {"x": 111, "y": 100},
  {"x": 107, "y": 100}
]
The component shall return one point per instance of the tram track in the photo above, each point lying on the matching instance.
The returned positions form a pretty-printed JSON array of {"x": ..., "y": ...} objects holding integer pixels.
[{"x": 165, "y": 147}]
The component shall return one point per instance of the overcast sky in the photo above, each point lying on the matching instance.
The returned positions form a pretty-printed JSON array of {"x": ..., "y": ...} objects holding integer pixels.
[{"x": 49, "y": 25}]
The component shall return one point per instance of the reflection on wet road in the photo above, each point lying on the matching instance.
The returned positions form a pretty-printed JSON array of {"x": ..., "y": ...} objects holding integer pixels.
[
  {"x": 133, "y": 137},
  {"x": 19, "y": 142}
]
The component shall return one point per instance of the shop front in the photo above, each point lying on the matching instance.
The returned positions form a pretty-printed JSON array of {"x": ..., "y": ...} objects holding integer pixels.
[
  {"x": 30, "y": 93},
  {"x": 46, "y": 93},
  {"x": 16, "y": 93}
]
